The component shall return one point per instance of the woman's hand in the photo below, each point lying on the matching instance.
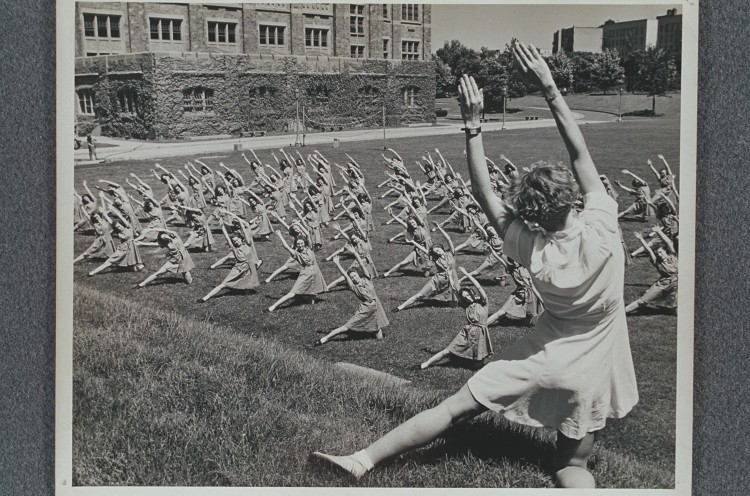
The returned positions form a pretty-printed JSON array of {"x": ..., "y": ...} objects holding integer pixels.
[
  {"x": 534, "y": 68},
  {"x": 471, "y": 100}
]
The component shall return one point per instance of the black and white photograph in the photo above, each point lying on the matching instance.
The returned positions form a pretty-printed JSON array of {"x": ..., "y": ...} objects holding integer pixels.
[{"x": 305, "y": 246}]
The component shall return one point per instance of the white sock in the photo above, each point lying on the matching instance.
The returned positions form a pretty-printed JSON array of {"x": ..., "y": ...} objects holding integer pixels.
[{"x": 364, "y": 459}]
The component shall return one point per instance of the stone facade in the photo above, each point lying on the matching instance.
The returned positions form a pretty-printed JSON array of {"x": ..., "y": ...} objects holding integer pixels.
[{"x": 162, "y": 71}]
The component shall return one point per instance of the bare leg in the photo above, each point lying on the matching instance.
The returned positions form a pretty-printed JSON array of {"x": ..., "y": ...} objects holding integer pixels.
[
  {"x": 416, "y": 432},
  {"x": 152, "y": 277},
  {"x": 277, "y": 272},
  {"x": 335, "y": 332},
  {"x": 213, "y": 292},
  {"x": 633, "y": 306},
  {"x": 402, "y": 263},
  {"x": 188, "y": 277},
  {"x": 100, "y": 268},
  {"x": 281, "y": 300},
  {"x": 435, "y": 358},
  {"x": 335, "y": 283},
  {"x": 442, "y": 202},
  {"x": 394, "y": 238},
  {"x": 222, "y": 261},
  {"x": 411, "y": 300},
  {"x": 493, "y": 318},
  {"x": 570, "y": 460}
]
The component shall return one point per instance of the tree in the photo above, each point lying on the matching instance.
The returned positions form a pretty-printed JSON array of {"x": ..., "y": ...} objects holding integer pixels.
[
  {"x": 582, "y": 63},
  {"x": 461, "y": 59},
  {"x": 656, "y": 73},
  {"x": 606, "y": 71},
  {"x": 561, "y": 68},
  {"x": 445, "y": 83}
]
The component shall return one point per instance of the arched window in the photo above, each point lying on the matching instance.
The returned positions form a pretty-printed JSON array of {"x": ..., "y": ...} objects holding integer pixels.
[
  {"x": 127, "y": 96},
  {"x": 411, "y": 94},
  {"x": 198, "y": 99}
]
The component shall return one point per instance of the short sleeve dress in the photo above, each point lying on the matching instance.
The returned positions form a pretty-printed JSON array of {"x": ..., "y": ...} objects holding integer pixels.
[
  {"x": 473, "y": 341},
  {"x": 663, "y": 293},
  {"x": 575, "y": 369},
  {"x": 370, "y": 316},
  {"x": 310, "y": 280},
  {"x": 243, "y": 275}
]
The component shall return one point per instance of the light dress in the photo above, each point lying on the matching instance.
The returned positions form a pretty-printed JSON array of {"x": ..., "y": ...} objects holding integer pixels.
[
  {"x": 370, "y": 316},
  {"x": 575, "y": 369}
]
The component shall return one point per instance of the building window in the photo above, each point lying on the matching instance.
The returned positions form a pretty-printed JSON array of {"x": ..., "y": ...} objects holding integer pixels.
[
  {"x": 410, "y": 12},
  {"x": 103, "y": 26},
  {"x": 385, "y": 11},
  {"x": 271, "y": 35},
  {"x": 86, "y": 101},
  {"x": 410, "y": 96},
  {"x": 386, "y": 51},
  {"x": 357, "y": 20},
  {"x": 166, "y": 29},
  {"x": 316, "y": 37},
  {"x": 261, "y": 93},
  {"x": 198, "y": 99},
  {"x": 128, "y": 99},
  {"x": 357, "y": 51},
  {"x": 222, "y": 33},
  {"x": 409, "y": 50}
]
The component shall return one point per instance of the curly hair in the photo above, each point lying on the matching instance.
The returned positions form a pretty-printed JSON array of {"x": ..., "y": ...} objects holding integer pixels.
[{"x": 545, "y": 192}]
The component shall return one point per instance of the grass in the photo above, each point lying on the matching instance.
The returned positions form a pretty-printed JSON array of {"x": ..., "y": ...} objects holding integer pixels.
[
  {"x": 646, "y": 435},
  {"x": 166, "y": 400}
]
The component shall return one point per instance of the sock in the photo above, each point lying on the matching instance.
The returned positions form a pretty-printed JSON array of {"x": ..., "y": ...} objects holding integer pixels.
[{"x": 364, "y": 459}]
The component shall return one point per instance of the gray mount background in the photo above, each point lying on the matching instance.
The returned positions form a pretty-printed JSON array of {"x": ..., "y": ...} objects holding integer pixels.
[{"x": 27, "y": 250}]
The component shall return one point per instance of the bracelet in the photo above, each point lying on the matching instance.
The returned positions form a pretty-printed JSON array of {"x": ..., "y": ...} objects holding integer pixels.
[
  {"x": 551, "y": 99},
  {"x": 472, "y": 131}
]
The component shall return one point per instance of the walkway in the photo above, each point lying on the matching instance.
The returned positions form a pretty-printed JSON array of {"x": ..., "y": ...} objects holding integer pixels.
[{"x": 122, "y": 149}]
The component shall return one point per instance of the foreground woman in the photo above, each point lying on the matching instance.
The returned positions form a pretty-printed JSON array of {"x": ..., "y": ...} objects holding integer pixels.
[{"x": 575, "y": 367}]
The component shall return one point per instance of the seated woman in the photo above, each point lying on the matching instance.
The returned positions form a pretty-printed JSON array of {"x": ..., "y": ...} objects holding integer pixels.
[{"x": 574, "y": 369}]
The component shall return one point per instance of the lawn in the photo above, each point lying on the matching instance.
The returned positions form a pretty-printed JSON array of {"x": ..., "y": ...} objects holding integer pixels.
[{"x": 646, "y": 435}]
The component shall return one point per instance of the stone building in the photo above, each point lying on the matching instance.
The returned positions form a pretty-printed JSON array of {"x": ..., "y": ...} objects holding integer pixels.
[
  {"x": 628, "y": 36},
  {"x": 577, "y": 39},
  {"x": 162, "y": 71},
  {"x": 669, "y": 34}
]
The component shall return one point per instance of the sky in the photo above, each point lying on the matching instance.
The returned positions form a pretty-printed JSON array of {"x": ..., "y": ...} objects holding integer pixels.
[{"x": 493, "y": 25}]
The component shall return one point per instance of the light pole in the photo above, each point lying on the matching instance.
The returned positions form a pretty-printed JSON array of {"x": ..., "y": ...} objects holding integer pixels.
[
  {"x": 505, "y": 95},
  {"x": 619, "y": 112},
  {"x": 296, "y": 122}
]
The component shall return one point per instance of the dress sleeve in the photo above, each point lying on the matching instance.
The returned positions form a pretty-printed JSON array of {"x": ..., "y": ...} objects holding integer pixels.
[
  {"x": 600, "y": 208},
  {"x": 519, "y": 242}
]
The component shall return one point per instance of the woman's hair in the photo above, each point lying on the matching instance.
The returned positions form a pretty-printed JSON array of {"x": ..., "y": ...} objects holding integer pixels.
[
  {"x": 458, "y": 193},
  {"x": 353, "y": 270},
  {"x": 637, "y": 182},
  {"x": 363, "y": 198},
  {"x": 205, "y": 170},
  {"x": 219, "y": 187},
  {"x": 87, "y": 197},
  {"x": 163, "y": 238},
  {"x": 298, "y": 239},
  {"x": 313, "y": 190},
  {"x": 546, "y": 191},
  {"x": 663, "y": 209},
  {"x": 432, "y": 253},
  {"x": 474, "y": 294}
]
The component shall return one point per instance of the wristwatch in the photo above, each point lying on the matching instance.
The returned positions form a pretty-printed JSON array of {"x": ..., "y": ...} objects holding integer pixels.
[{"x": 472, "y": 131}]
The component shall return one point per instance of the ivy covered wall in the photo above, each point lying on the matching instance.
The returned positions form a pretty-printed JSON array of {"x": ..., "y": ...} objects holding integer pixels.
[{"x": 198, "y": 94}]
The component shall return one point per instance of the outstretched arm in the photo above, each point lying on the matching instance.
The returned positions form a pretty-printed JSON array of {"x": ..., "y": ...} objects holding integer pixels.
[
  {"x": 447, "y": 238},
  {"x": 472, "y": 103},
  {"x": 538, "y": 73},
  {"x": 475, "y": 283}
]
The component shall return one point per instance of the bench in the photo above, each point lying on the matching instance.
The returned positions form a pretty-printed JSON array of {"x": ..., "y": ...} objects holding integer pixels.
[{"x": 253, "y": 134}]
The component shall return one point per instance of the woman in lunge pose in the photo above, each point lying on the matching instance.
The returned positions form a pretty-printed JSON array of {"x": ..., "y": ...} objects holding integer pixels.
[
  {"x": 244, "y": 274},
  {"x": 178, "y": 258},
  {"x": 445, "y": 279},
  {"x": 663, "y": 293},
  {"x": 126, "y": 254},
  {"x": 310, "y": 281},
  {"x": 575, "y": 367},
  {"x": 473, "y": 341},
  {"x": 370, "y": 317}
]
